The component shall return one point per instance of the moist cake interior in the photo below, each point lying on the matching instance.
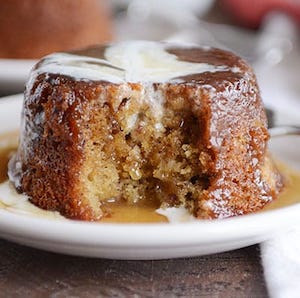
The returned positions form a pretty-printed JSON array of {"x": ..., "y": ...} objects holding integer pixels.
[{"x": 138, "y": 153}]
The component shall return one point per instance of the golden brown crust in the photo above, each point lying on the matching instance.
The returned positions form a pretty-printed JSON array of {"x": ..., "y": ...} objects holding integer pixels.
[{"x": 51, "y": 144}]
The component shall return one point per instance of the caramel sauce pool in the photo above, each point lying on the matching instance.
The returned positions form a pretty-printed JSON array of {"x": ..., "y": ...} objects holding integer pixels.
[{"x": 145, "y": 213}]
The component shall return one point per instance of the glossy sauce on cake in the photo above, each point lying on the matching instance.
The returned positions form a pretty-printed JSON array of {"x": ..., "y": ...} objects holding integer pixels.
[{"x": 139, "y": 121}]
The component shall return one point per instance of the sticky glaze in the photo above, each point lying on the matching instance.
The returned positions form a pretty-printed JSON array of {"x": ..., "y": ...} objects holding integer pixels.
[{"x": 130, "y": 61}]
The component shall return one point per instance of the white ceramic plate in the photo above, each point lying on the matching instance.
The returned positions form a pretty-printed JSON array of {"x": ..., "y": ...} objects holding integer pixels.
[
  {"x": 143, "y": 241},
  {"x": 14, "y": 73}
]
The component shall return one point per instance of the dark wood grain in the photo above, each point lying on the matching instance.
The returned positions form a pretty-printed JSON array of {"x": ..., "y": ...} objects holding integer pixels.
[{"x": 27, "y": 272}]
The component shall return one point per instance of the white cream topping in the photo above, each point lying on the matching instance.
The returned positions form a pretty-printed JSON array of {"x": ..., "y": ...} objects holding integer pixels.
[
  {"x": 128, "y": 61},
  {"x": 19, "y": 203},
  {"x": 176, "y": 214}
]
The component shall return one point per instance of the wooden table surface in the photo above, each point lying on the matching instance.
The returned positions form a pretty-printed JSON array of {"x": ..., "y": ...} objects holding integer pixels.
[{"x": 28, "y": 272}]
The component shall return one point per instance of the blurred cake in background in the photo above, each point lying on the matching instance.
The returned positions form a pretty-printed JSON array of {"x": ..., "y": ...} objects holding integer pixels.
[
  {"x": 32, "y": 29},
  {"x": 252, "y": 13}
]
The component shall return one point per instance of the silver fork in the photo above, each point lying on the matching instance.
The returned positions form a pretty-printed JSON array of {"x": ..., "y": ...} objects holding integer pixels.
[{"x": 284, "y": 130}]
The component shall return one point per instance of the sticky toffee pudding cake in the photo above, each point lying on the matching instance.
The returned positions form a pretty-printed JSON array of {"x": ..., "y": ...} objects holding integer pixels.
[
  {"x": 30, "y": 29},
  {"x": 142, "y": 121}
]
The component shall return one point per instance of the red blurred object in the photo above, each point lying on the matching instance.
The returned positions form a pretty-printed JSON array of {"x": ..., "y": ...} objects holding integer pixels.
[{"x": 250, "y": 13}]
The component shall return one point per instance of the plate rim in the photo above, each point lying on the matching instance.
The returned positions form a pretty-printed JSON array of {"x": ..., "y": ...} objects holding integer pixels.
[
  {"x": 144, "y": 235},
  {"x": 260, "y": 225}
]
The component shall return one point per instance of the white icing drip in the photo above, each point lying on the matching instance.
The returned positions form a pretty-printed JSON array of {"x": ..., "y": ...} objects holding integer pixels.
[
  {"x": 13, "y": 177},
  {"x": 176, "y": 214},
  {"x": 129, "y": 61},
  {"x": 80, "y": 67},
  {"x": 154, "y": 98},
  {"x": 19, "y": 203}
]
